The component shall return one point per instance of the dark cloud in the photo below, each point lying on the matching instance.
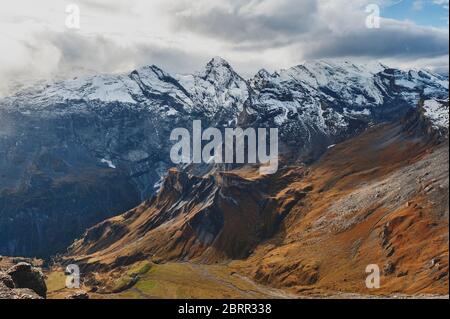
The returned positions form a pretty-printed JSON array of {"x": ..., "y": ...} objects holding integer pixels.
[
  {"x": 309, "y": 30},
  {"x": 261, "y": 23},
  {"x": 391, "y": 40},
  {"x": 94, "y": 54}
]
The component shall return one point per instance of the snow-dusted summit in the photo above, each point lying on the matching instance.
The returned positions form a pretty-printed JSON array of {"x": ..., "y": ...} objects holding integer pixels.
[{"x": 437, "y": 113}]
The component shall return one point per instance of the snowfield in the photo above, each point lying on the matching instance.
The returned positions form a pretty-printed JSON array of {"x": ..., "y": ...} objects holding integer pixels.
[{"x": 437, "y": 112}]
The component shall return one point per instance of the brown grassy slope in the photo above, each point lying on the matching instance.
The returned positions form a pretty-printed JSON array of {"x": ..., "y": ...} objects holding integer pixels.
[
  {"x": 169, "y": 280},
  {"x": 380, "y": 198},
  {"x": 210, "y": 219}
]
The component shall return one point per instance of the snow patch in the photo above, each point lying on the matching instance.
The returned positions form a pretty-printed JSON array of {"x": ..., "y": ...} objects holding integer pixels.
[
  {"x": 137, "y": 155},
  {"x": 109, "y": 163},
  {"x": 437, "y": 113}
]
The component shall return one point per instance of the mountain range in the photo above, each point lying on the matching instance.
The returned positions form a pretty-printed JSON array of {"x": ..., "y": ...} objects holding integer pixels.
[{"x": 364, "y": 153}]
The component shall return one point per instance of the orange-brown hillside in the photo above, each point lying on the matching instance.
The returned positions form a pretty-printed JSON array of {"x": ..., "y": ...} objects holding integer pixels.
[{"x": 380, "y": 198}]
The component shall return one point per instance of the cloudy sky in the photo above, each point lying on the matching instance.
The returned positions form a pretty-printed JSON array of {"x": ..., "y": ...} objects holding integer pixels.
[{"x": 38, "y": 40}]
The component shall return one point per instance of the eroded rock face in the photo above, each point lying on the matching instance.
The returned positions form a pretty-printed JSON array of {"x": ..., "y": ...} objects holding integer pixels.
[
  {"x": 25, "y": 276},
  {"x": 6, "y": 280},
  {"x": 22, "y": 281},
  {"x": 8, "y": 293}
]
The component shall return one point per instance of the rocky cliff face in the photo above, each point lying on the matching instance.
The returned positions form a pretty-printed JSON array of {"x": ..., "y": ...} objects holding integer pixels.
[
  {"x": 21, "y": 281},
  {"x": 211, "y": 218},
  {"x": 75, "y": 152}
]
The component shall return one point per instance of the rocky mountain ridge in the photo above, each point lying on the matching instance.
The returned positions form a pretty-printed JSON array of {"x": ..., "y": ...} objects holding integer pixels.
[{"x": 75, "y": 152}]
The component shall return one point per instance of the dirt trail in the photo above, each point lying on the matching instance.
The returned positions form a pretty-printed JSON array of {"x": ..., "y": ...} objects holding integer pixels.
[{"x": 257, "y": 290}]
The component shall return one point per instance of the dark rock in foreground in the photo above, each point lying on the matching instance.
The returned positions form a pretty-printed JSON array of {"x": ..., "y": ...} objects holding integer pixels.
[
  {"x": 82, "y": 295},
  {"x": 22, "y": 281}
]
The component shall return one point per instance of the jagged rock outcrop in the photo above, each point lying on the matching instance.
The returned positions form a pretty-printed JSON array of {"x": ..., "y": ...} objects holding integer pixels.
[
  {"x": 429, "y": 120},
  {"x": 26, "y": 276},
  {"x": 22, "y": 281},
  {"x": 7, "y": 293},
  {"x": 6, "y": 280},
  {"x": 211, "y": 218}
]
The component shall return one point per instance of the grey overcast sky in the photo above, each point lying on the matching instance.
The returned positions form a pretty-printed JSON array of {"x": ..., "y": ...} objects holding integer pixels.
[{"x": 182, "y": 35}]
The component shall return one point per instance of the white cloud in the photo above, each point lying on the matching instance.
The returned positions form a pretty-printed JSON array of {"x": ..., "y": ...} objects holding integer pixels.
[
  {"x": 417, "y": 5},
  {"x": 444, "y": 3}
]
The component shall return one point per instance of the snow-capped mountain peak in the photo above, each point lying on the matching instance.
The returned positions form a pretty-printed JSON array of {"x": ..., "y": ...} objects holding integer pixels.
[
  {"x": 323, "y": 94},
  {"x": 328, "y": 97},
  {"x": 437, "y": 113},
  {"x": 217, "y": 89},
  {"x": 218, "y": 62}
]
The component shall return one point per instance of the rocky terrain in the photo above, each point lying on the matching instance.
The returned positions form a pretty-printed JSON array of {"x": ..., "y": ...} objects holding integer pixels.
[
  {"x": 21, "y": 280},
  {"x": 363, "y": 179},
  {"x": 310, "y": 230},
  {"x": 76, "y": 152}
]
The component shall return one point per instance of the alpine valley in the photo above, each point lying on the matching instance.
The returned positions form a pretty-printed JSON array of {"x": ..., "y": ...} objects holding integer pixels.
[{"x": 86, "y": 178}]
